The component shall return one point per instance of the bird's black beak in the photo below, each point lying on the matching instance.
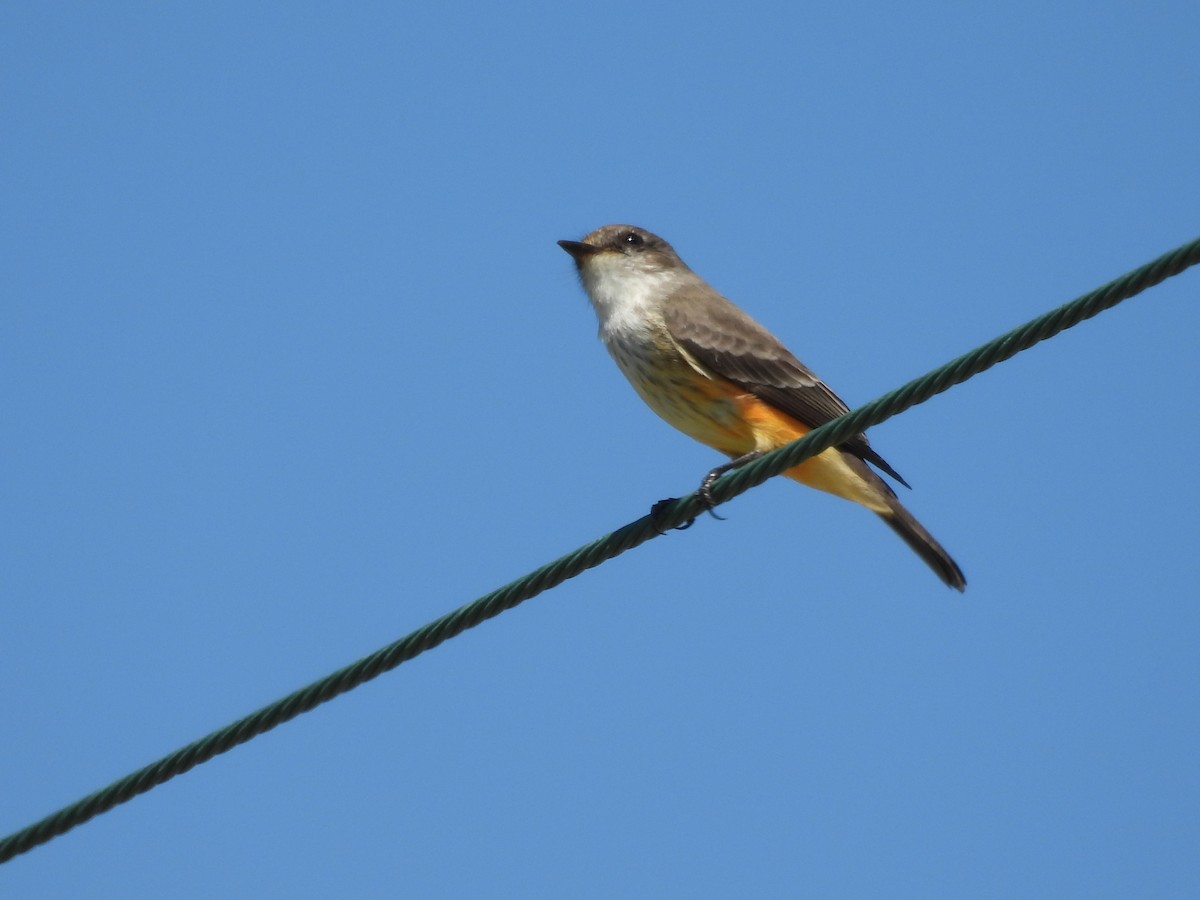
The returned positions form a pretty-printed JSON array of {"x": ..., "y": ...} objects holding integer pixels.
[{"x": 579, "y": 251}]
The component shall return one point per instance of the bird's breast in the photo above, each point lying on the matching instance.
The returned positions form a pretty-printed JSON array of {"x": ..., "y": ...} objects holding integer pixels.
[{"x": 702, "y": 406}]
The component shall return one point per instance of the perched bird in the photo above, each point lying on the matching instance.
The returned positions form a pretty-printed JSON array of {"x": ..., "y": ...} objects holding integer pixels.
[{"x": 718, "y": 376}]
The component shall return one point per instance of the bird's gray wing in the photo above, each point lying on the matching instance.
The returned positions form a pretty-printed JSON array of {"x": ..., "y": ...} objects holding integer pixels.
[{"x": 726, "y": 341}]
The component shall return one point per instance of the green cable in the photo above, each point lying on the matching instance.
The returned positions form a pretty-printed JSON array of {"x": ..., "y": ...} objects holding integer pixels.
[{"x": 664, "y": 517}]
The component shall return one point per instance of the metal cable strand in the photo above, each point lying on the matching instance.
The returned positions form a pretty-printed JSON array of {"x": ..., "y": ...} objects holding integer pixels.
[{"x": 664, "y": 517}]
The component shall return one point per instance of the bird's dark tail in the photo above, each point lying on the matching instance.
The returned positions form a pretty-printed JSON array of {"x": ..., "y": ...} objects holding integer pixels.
[{"x": 923, "y": 543}]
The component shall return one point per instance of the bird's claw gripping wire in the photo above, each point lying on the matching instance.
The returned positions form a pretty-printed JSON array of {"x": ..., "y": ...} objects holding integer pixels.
[
  {"x": 704, "y": 492},
  {"x": 706, "y": 487},
  {"x": 658, "y": 508}
]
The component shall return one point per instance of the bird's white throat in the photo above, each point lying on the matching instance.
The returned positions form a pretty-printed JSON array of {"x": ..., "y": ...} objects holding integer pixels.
[{"x": 628, "y": 299}]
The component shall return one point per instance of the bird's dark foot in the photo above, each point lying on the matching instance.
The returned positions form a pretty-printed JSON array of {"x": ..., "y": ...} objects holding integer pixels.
[
  {"x": 658, "y": 508},
  {"x": 704, "y": 492}
]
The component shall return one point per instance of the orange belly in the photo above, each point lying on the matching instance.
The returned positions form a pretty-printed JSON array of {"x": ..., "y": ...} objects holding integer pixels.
[{"x": 718, "y": 413}]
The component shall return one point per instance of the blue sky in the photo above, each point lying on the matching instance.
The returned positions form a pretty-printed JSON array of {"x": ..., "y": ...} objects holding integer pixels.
[{"x": 291, "y": 365}]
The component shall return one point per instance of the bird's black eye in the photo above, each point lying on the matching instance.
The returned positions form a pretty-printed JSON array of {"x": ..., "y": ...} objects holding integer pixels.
[{"x": 632, "y": 238}]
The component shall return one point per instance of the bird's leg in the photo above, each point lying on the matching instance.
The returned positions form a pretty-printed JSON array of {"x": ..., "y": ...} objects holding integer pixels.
[{"x": 704, "y": 492}]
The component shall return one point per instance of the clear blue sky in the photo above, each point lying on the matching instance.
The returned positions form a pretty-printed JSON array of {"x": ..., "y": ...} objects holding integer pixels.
[{"x": 291, "y": 365}]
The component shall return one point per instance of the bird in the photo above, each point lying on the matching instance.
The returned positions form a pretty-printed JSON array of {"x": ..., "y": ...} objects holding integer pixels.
[{"x": 711, "y": 371}]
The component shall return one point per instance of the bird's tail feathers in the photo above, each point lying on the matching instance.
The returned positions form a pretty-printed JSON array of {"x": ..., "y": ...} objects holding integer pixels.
[{"x": 901, "y": 521}]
